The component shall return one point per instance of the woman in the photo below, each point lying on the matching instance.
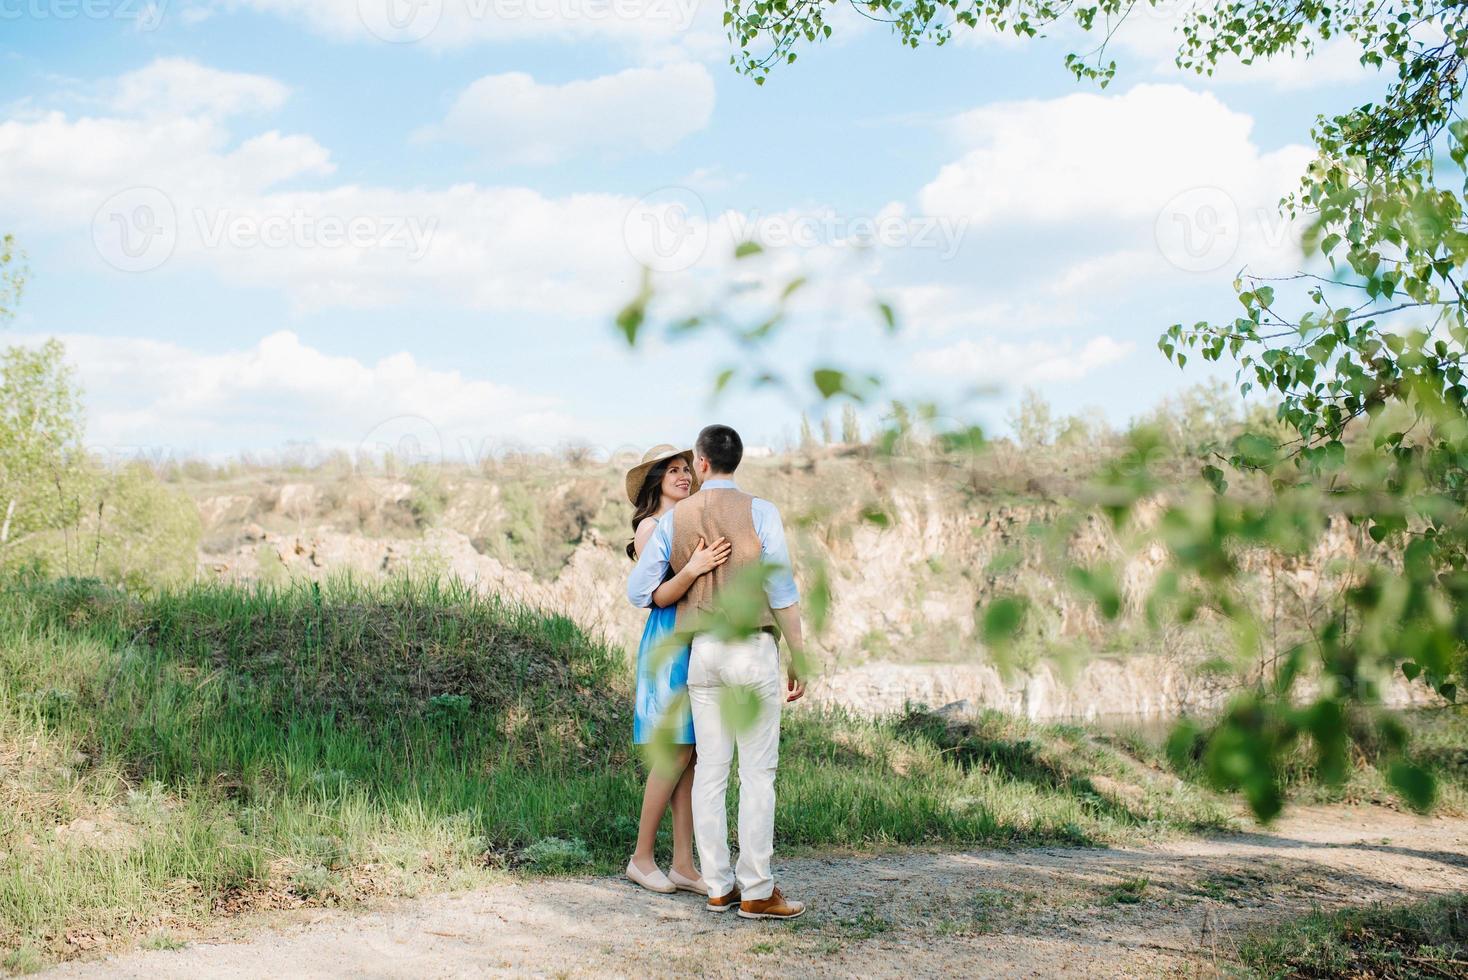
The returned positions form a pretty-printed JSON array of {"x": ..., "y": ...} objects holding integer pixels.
[{"x": 664, "y": 477}]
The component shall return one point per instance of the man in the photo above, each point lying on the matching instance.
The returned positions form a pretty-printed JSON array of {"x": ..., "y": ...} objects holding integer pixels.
[{"x": 727, "y": 675}]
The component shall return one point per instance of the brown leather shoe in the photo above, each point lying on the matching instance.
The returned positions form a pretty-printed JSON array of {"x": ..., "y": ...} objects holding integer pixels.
[
  {"x": 777, "y": 906},
  {"x": 726, "y": 903}
]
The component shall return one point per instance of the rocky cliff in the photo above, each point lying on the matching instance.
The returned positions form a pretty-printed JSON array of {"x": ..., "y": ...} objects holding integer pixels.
[{"x": 911, "y": 553}]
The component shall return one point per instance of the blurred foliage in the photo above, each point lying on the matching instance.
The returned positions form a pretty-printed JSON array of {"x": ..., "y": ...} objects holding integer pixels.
[
  {"x": 1371, "y": 426},
  {"x": 62, "y": 511},
  {"x": 12, "y": 277},
  {"x": 40, "y": 439},
  {"x": 1033, "y": 422}
]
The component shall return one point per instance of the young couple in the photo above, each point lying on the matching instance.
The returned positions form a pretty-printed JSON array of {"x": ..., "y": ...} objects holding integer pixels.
[{"x": 695, "y": 531}]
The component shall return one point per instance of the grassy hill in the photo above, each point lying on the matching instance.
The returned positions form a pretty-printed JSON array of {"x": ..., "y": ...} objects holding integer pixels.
[{"x": 217, "y": 749}]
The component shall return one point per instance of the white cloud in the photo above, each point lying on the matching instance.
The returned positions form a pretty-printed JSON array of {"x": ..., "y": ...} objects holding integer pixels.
[
  {"x": 61, "y": 169},
  {"x": 709, "y": 180},
  {"x": 184, "y": 189},
  {"x": 1098, "y": 156},
  {"x": 654, "y": 30},
  {"x": 1160, "y": 167},
  {"x": 931, "y": 310},
  {"x": 1109, "y": 272},
  {"x": 1062, "y": 298},
  {"x": 178, "y": 86},
  {"x": 1015, "y": 364},
  {"x": 148, "y": 395},
  {"x": 155, "y": 192},
  {"x": 513, "y": 117}
]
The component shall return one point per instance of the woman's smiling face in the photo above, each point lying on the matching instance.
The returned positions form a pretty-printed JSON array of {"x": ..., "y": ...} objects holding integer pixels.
[{"x": 677, "y": 479}]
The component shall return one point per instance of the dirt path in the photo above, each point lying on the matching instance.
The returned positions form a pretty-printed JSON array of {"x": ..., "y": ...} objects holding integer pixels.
[{"x": 1041, "y": 913}]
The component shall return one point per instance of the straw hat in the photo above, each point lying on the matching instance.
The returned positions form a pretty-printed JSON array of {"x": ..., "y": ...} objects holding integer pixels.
[{"x": 637, "y": 474}]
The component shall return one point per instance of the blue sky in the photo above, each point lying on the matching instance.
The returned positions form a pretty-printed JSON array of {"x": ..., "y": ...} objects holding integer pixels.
[{"x": 351, "y": 236}]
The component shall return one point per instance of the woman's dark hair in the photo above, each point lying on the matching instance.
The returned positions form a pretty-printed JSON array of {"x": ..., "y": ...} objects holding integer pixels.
[{"x": 649, "y": 500}]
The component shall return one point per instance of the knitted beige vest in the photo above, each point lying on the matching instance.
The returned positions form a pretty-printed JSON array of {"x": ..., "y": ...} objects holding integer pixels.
[{"x": 713, "y": 514}]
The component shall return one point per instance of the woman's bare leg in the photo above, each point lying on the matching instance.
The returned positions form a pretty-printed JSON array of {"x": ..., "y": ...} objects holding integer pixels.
[
  {"x": 655, "y": 799},
  {"x": 683, "y": 821}
]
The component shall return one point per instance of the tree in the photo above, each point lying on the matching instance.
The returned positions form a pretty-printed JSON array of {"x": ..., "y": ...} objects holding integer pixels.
[
  {"x": 807, "y": 435},
  {"x": 1198, "y": 420},
  {"x": 1032, "y": 421},
  {"x": 850, "y": 425},
  {"x": 12, "y": 277},
  {"x": 40, "y": 440},
  {"x": 60, "y": 511},
  {"x": 1088, "y": 429}
]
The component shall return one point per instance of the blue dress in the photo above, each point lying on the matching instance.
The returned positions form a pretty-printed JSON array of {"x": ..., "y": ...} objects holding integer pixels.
[{"x": 662, "y": 682}]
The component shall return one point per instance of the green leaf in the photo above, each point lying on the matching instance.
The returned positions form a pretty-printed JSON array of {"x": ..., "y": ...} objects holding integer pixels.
[
  {"x": 1100, "y": 585},
  {"x": 745, "y": 249},
  {"x": 829, "y": 382},
  {"x": 1002, "y": 620},
  {"x": 630, "y": 321},
  {"x": 889, "y": 316},
  {"x": 877, "y": 516},
  {"x": 739, "y": 707},
  {"x": 817, "y": 597},
  {"x": 1414, "y": 784}
]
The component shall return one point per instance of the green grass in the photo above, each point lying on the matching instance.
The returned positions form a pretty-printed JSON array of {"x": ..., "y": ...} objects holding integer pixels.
[
  {"x": 1436, "y": 740},
  {"x": 172, "y": 759},
  {"x": 1128, "y": 892},
  {"x": 1424, "y": 939}
]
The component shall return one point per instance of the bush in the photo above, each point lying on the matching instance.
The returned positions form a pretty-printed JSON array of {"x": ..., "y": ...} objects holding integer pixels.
[{"x": 124, "y": 527}]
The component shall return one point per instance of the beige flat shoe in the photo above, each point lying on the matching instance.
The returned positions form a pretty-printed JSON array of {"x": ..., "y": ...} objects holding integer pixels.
[
  {"x": 654, "y": 882},
  {"x": 683, "y": 884}
]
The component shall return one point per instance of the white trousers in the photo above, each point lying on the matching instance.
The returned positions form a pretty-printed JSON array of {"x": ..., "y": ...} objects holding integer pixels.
[{"x": 736, "y": 694}]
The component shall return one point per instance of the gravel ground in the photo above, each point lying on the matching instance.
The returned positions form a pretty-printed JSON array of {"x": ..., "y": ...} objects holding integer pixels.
[{"x": 1173, "y": 909}]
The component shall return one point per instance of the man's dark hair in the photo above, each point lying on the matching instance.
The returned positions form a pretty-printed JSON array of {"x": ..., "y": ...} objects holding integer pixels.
[{"x": 722, "y": 447}]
